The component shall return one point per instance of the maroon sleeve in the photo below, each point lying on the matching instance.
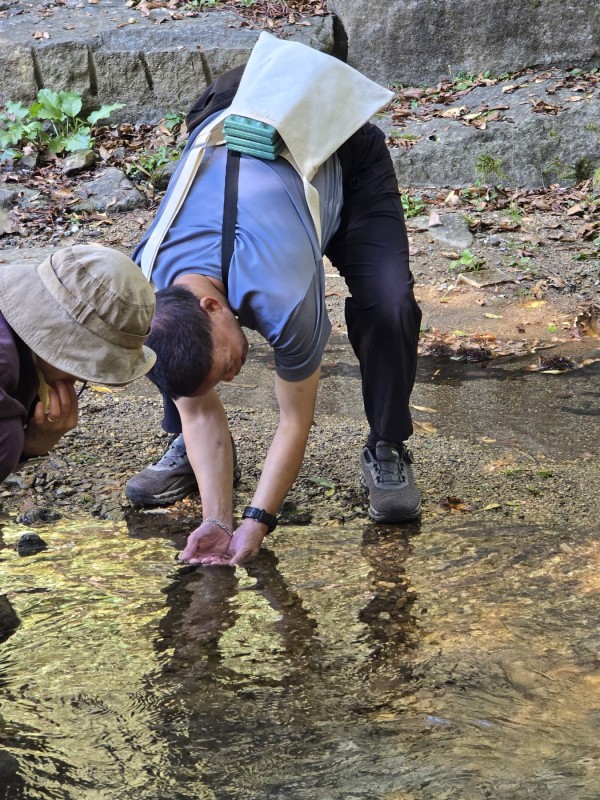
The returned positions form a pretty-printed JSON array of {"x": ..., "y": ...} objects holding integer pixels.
[
  {"x": 11, "y": 444},
  {"x": 17, "y": 389}
]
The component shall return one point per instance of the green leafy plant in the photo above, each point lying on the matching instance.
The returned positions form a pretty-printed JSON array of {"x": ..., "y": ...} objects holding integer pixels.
[
  {"x": 465, "y": 80},
  {"x": 17, "y": 127},
  {"x": 174, "y": 120},
  {"x": 412, "y": 206},
  {"x": 468, "y": 262},
  {"x": 53, "y": 121}
]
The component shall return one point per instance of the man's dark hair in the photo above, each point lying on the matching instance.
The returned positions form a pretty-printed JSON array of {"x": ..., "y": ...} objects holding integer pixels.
[{"x": 181, "y": 337}]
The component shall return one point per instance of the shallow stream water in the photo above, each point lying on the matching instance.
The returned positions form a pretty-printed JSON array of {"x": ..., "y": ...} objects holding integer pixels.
[
  {"x": 447, "y": 660},
  {"x": 454, "y": 662}
]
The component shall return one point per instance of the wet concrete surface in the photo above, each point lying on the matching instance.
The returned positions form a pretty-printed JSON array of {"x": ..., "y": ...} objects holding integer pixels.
[{"x": 541, "y": 411}]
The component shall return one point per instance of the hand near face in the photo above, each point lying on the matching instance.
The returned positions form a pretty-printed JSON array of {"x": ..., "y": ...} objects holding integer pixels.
[{"x": 45, "y": 430}]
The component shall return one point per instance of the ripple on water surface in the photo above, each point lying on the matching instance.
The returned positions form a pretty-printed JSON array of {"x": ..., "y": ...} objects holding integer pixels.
[{"x": 436, "y": 662}]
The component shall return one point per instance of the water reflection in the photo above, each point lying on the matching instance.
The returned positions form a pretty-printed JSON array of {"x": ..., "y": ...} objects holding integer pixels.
[{"x": 392, "y": 664}]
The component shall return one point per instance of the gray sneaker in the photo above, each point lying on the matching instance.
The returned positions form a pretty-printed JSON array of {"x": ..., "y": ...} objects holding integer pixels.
[
  {"x": 170, "y": 479},
  {"x": 389, "y": 479}
]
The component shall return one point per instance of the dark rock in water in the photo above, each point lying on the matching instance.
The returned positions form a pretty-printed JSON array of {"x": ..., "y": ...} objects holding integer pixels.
[
  {"x": 9, "y": 770},
  {"x": 9, "y": 621},
  {"x": 39, "y": 514},
  {"x": 29, "y": 544}
]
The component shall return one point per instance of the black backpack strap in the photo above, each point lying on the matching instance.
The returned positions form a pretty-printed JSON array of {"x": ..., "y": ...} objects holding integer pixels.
[
  {"x": 232, "y": 171},
  {"x": 215, "y": 97}
]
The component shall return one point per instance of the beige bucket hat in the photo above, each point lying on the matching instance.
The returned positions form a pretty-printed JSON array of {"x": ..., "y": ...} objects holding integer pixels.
[{"x": 85, "y": 310}]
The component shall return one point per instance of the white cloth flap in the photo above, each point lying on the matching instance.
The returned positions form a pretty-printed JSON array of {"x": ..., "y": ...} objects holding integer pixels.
[{"x": 314, "y": 100}]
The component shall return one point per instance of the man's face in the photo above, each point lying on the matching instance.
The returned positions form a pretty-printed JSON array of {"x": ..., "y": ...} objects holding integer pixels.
[{"x": 230, "y": 348}]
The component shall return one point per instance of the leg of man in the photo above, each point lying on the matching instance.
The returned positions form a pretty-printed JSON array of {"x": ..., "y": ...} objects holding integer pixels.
[
  {"x": 370, "y": 249},
  {"x": 171, "y": 478}
]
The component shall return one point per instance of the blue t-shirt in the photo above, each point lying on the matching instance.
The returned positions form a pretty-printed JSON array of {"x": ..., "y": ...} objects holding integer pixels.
[{"x": 276, "y": 282}]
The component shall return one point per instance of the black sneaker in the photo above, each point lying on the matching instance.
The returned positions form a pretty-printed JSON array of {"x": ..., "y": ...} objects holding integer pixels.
[
  {"x": 389, "y": 479},
  {"x": 170, "y": 479}
]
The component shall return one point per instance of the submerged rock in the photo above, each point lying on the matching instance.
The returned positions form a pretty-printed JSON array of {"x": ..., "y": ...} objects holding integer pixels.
[
  {"x": 29, "y": 544},
  {"x": 9, "y": 621},
  {"x": 39, "y": 514}
]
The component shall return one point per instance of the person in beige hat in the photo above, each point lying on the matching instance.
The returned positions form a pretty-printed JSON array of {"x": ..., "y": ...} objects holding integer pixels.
[{"x": 83, "y": 314}]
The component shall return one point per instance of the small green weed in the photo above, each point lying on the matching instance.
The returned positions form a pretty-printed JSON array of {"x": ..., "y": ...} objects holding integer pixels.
[
  {"x": 406, "y": 137},
  {"x": 174, "y": 120},
  {"x": 468, "y": 262},
  {"x": 201, "y": 4},
  {"x": 412, "y": 206},
  {"x": 16, "y": 129},
  {"x": 149, "y": 162},
  {"x": 513, "y": 212},
  {"x": 489, "y": 169},
  {"x": 464, "y": 80},
  {"x": 521, "y": 263},
  {"x": 510, "y": 472}
]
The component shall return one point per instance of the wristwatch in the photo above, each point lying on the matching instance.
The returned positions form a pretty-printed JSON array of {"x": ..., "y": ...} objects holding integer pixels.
[{"x": 260, "y": 515}]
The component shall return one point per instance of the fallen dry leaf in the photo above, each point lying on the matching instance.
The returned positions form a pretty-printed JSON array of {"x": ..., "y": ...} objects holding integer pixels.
[
  {"x": 453, "y": 113},
  {"x": 452, "y": 199},
  {"x": 424, "y": 427},
  {"x": 576, "y": 209},
  {"x": 453, "y": 504},
  {"x": 535, "y": 303}
]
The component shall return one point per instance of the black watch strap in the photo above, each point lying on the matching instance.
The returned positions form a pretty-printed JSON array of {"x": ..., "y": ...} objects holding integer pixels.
[{"x": 259, "y": 514}]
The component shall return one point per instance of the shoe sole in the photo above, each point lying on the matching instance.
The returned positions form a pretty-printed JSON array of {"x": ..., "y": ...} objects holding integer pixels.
[
  {"x": 166, "y": 499},
  {"x": 378, "y": 516}
]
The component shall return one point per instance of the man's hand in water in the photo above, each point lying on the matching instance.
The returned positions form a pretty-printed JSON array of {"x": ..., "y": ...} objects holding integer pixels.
[{"x": 211, "y": 545}]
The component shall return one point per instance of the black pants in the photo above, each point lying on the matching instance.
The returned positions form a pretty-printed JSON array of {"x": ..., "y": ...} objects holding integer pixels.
[{"x": 370, "y": 250}]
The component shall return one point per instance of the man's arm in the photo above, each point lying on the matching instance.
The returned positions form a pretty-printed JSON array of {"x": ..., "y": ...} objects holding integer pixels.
[
  {"x": 297, "y": 402},
  {"x": 296, "y": 413},
  {"x": 208, "y": 445}
]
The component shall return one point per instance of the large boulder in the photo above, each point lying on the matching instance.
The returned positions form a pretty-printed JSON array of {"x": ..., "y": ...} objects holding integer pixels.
[
  {"x": 545, "y": 132},
  {"x": 416, "y": 41}
]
